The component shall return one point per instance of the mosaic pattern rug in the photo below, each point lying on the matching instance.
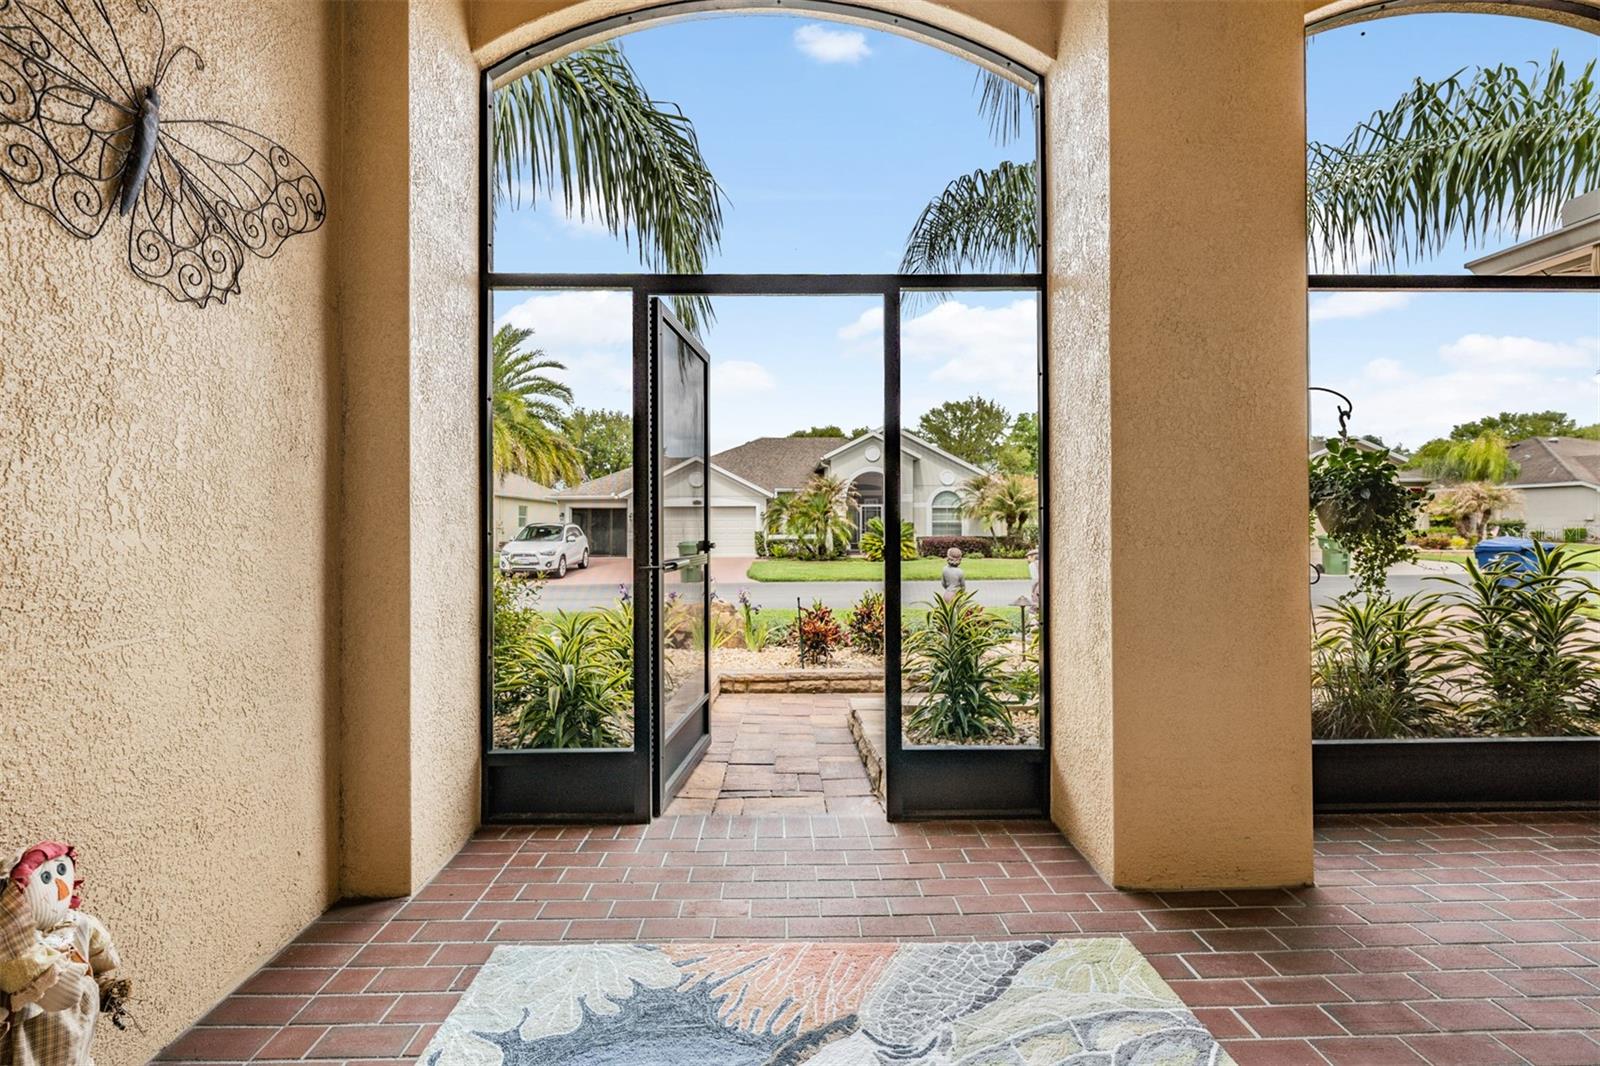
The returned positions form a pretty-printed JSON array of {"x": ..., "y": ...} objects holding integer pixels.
[{"x": 1018, "y": 1003}]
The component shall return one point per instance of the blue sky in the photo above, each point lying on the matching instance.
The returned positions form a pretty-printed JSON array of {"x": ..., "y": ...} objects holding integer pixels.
[{"x": 828, "y": 139}]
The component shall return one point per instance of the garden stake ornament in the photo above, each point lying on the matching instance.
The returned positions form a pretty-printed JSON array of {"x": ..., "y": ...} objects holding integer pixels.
[
  {"x": 81, "y": 128},
  {"x": 58, "y": 965}
]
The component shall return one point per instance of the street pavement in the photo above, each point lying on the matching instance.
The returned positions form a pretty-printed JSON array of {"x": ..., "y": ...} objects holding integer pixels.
[{"x": 602, "y": 585}]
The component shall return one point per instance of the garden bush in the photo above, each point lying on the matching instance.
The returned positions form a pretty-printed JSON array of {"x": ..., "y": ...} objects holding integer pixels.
[
  {"x": 817, "y": 635},
  {"x": 761, "y": 545},
  {"x": 1434, "y": 541},
  {"x": 1575, "y": 534},
  {"x": 872, "y": 541},
  {"x": 1379, "y": 668},
  {"x": 1512, "y": 527},
  {"x": 1528, "y": 662},
  {"x": 569, "y": 682},
  {"x": 936, "y": 547},
  {"x": 955, "y": 658},
  {"x": 866, "y": 622}
]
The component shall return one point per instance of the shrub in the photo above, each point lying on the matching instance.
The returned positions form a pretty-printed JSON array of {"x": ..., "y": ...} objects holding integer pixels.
[
  {"x": 1538, "y": 534},
  {"x": 935, "y": 547},
  {"x": 1531, "y": 667},
  {"x": 1458, "y": 542},
  {"x": 1512, "y": 527},
  {"x": 866, "y": 622},
  {"x": 817, "y": 634},
  {"x": 761, "y": 545},
  {"x": 1006, "y": 548},
  {"x": 1379, "y": 668},
  {"x": 955, "y": 658},
  {"x": 570, "y": 682},
  {"x": 1575, "y": 534},
  {"x": 872, "y": 541},
  {"x": 1434, "y": 541}
]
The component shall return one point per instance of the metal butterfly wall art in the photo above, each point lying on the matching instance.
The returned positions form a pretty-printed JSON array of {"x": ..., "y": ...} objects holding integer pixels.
[{"x": 82, "y": 130}]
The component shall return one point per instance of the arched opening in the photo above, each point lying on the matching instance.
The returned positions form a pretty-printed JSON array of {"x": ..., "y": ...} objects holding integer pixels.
[
  {"x": 1455, "y": 319},
  {"x": 822, "y": 273}
]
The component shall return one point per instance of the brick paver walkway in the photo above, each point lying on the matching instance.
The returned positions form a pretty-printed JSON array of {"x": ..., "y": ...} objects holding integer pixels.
[{"x": 772, "y": 754}]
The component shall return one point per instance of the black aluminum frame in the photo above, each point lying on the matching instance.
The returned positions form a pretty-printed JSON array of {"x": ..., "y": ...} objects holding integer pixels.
[
  {"x": 679, "y": 748},
  {"x": 625, "y": 785}
]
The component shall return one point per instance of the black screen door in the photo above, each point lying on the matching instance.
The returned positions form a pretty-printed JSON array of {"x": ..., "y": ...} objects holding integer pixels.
[{"x": 678, "y": 572}]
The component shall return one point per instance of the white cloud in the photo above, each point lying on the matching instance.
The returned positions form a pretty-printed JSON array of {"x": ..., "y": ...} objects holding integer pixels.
[
  {"x": 831, "y": 46},
  {"x": 1483, "y": 351},
  {"x": 989, "y": 350},
  {"x": 1472, "y": 377},
  {"x": 738, "y": 377},
  {"x": 1356, "y": 304},
  {"x": 591, "y": 333},
  {"x": 868, "y": 327}
]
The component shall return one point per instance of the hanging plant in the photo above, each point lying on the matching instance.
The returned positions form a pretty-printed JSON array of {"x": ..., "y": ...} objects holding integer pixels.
[{"x": 1357, "y": 496}]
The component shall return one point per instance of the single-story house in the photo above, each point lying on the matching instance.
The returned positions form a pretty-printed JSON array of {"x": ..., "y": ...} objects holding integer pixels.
[
  {"x": 1558, "y": 481},
  {"x": 745, "y": 479},
  {"x": 518, "y": 501}
]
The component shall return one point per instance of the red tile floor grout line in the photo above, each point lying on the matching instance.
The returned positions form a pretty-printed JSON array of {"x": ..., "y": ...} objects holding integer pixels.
[{"x": 1471, "y": 939}]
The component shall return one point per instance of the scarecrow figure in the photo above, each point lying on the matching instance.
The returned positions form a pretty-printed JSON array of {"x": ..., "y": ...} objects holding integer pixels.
[{"x": 57, "y": 964}]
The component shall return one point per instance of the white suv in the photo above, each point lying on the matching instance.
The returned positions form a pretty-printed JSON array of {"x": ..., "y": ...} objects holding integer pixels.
[{"x": 545, "y": 548}]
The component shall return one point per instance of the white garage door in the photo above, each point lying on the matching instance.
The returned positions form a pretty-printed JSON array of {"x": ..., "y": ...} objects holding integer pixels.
[{"x": 733, "y": 529}]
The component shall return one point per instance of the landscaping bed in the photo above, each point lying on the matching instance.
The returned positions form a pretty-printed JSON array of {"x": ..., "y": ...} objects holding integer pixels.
[{"x": 864, "y": 570}]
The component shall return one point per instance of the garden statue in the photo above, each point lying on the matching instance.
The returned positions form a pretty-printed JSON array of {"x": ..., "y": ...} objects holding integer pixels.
[
  {"x": 58, "y": 965},
  {"x": 951, "y": 580}
]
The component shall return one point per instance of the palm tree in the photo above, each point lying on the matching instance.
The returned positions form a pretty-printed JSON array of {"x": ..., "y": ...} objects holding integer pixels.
[
  {"x": 1001, "y": 499},
  {"x": 584, "y": 127},
  {"x": 1470, "y": 505},
  {"x": 529, "y": 408},
  {"x": 1475, "y": 152},
  {"x": 818, "y": 514},
  {"x": 1485, "y": 457}
]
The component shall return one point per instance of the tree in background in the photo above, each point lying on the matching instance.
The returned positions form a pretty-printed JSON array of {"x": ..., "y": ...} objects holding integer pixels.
[
  {"x": 529, "y": 408},
  {"x": 1485, "y": 457},
  {"x": 583, "y": 128},
  {"x": 1472, "y": 504},
  {"x": 1020, "y": 453},
  {"x": 828, "y": 431},
  {"x": 972, "y": 429},
  {"x": 1000, "y": 499},
  {"x": 604, "y": 440},
  {"x": 818, "y": 515},
  {"x": 1515, "y": 426}
]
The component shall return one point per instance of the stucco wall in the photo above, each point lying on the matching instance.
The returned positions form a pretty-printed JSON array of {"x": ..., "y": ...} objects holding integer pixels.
[
  {"x": 1557, "y": 508},
  {"x": 1176, "y": 163},
  {"x": 167, "y": 549}
]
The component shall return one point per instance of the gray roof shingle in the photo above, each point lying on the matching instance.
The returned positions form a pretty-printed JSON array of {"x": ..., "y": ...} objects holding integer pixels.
[{"x": 1556, "y": 460}]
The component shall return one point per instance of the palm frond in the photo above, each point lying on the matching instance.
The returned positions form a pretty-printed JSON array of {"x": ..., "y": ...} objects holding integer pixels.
[
  {"x": 986, "y": 220},
  {"x": 1007, "y": 105},
  {"x": 584, "y": 128},
  {"x": 528, "y": 410},
  {"x": 1473, "y": 153}
]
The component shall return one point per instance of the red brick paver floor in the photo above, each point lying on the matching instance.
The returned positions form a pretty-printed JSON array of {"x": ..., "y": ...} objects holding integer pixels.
[{"x": 1471, "y": 939}]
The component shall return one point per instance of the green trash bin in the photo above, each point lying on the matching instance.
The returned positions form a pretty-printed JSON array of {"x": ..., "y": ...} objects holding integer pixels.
[
  {"x": 694, "y": 573},
  {"x": 1335, "y": 560}
]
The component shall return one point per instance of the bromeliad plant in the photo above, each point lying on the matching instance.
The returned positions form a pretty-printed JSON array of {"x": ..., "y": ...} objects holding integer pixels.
[
  {"x": 1358, "y": 497},
  {"x": 872, "y": 539},
  {"x": 1529, "y": 661},
  {"x": 955, "y": 658},
  {"x": 570, "y": 682},
  {"x": 1379, "y": 668}
]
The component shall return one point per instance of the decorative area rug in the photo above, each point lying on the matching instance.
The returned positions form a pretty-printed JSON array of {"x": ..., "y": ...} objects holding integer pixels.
[{"x": 1016, "y": 1003}]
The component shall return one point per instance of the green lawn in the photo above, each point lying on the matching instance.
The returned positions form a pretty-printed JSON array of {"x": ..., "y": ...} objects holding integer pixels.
[{"x": 861, "y": 570}]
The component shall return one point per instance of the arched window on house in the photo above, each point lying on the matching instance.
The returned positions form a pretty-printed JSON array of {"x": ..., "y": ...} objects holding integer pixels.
[{"x": 946, "y": 515}]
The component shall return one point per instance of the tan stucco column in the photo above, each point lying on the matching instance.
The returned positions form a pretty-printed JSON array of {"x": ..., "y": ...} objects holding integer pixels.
[
  {"x": 1175, "y": 172},
  {"x": 409, "y": 543}
]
